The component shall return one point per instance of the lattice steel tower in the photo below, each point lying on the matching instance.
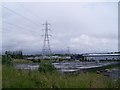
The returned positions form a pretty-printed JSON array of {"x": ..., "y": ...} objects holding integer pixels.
[
  {"x": 46, "y": 44},
  {"x": 68, "y": 51}
]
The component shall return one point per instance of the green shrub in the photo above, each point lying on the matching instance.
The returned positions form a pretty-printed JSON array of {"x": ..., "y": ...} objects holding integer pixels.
[
  {"x": 46, "y": 67},
  {"x": 6, "y": 59}
]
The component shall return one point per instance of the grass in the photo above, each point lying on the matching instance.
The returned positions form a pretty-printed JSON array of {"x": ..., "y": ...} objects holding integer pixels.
[
  {"x": 0, "y": 75},
  {"x": 13, "y": 78},
  {"x": 20, "y": 61}
]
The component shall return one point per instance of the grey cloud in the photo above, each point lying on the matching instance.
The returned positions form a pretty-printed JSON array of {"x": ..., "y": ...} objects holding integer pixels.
[{"x": 82, "y": 26}]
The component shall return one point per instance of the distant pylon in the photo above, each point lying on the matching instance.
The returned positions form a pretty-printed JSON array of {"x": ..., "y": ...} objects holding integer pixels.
[
  {"x": 46, "y": 44},
  {"x": 68, "y": 51}
]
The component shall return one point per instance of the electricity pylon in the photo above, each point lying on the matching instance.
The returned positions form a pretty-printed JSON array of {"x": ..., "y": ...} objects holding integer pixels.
[
  {"x": 46, "y": 51},
  {"x": 68, "y": 51}
]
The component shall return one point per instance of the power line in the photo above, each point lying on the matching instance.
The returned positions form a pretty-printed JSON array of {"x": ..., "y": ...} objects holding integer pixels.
[
  {"x": 20, "y": 15},
  {"x": 7, "y": 30},
  {"x": 26, "y": 26},
  {"x": 17, "y": 25},
  {"x": 14, "y": 25},
  {"x": 28, "y": 10}
]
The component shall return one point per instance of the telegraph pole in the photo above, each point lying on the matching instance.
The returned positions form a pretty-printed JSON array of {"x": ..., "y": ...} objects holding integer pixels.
[{"x": 46, "y": 43}]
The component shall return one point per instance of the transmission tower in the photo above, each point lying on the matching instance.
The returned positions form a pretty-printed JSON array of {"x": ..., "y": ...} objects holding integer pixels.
[
  {"x": 46, "y": 44},
  {"x": 68, "y": 50}
]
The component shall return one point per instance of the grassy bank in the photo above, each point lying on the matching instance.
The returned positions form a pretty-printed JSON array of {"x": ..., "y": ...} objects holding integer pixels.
[
  {"x": 20, "y": 61},
  {"x": 13, "y": 78},
  {"x": 0, "y": 75}
]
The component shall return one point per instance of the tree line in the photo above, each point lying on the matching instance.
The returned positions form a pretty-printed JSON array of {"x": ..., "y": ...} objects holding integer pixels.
[{"x": 15, "y": 54}]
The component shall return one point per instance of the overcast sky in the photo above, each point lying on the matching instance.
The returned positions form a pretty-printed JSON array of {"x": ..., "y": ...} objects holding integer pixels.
[{"x": 84, "y": 27}]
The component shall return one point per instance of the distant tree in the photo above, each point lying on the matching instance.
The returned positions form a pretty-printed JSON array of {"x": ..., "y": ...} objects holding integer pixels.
[
  {"x": 15, "y": 54},
  {"x": 6, "y": 59}
]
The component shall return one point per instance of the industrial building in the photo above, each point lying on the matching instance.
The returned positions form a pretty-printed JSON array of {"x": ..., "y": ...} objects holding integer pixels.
[
  {"x": 81, "y": 57},
  {"x": 101, "y": 56}
]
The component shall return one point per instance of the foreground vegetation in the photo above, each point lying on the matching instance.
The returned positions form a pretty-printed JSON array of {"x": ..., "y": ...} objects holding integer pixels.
[
  {"x": 13, "y": 78},
  {"x": 0, "y": 75},
  {"x": 48, "y": 77}
]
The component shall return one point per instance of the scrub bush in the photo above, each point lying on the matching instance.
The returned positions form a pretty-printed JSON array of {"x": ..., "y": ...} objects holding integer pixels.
[{"x": 46, "y": 67}]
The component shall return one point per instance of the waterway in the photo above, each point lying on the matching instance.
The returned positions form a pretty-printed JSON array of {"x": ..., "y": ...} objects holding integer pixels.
[{"x": 74, "y": 67}]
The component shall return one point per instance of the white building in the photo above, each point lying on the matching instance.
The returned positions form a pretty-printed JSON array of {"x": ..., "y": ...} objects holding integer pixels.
[
  {"x": 48, "y": 57},
  {"x": 102, "y": 56}
]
